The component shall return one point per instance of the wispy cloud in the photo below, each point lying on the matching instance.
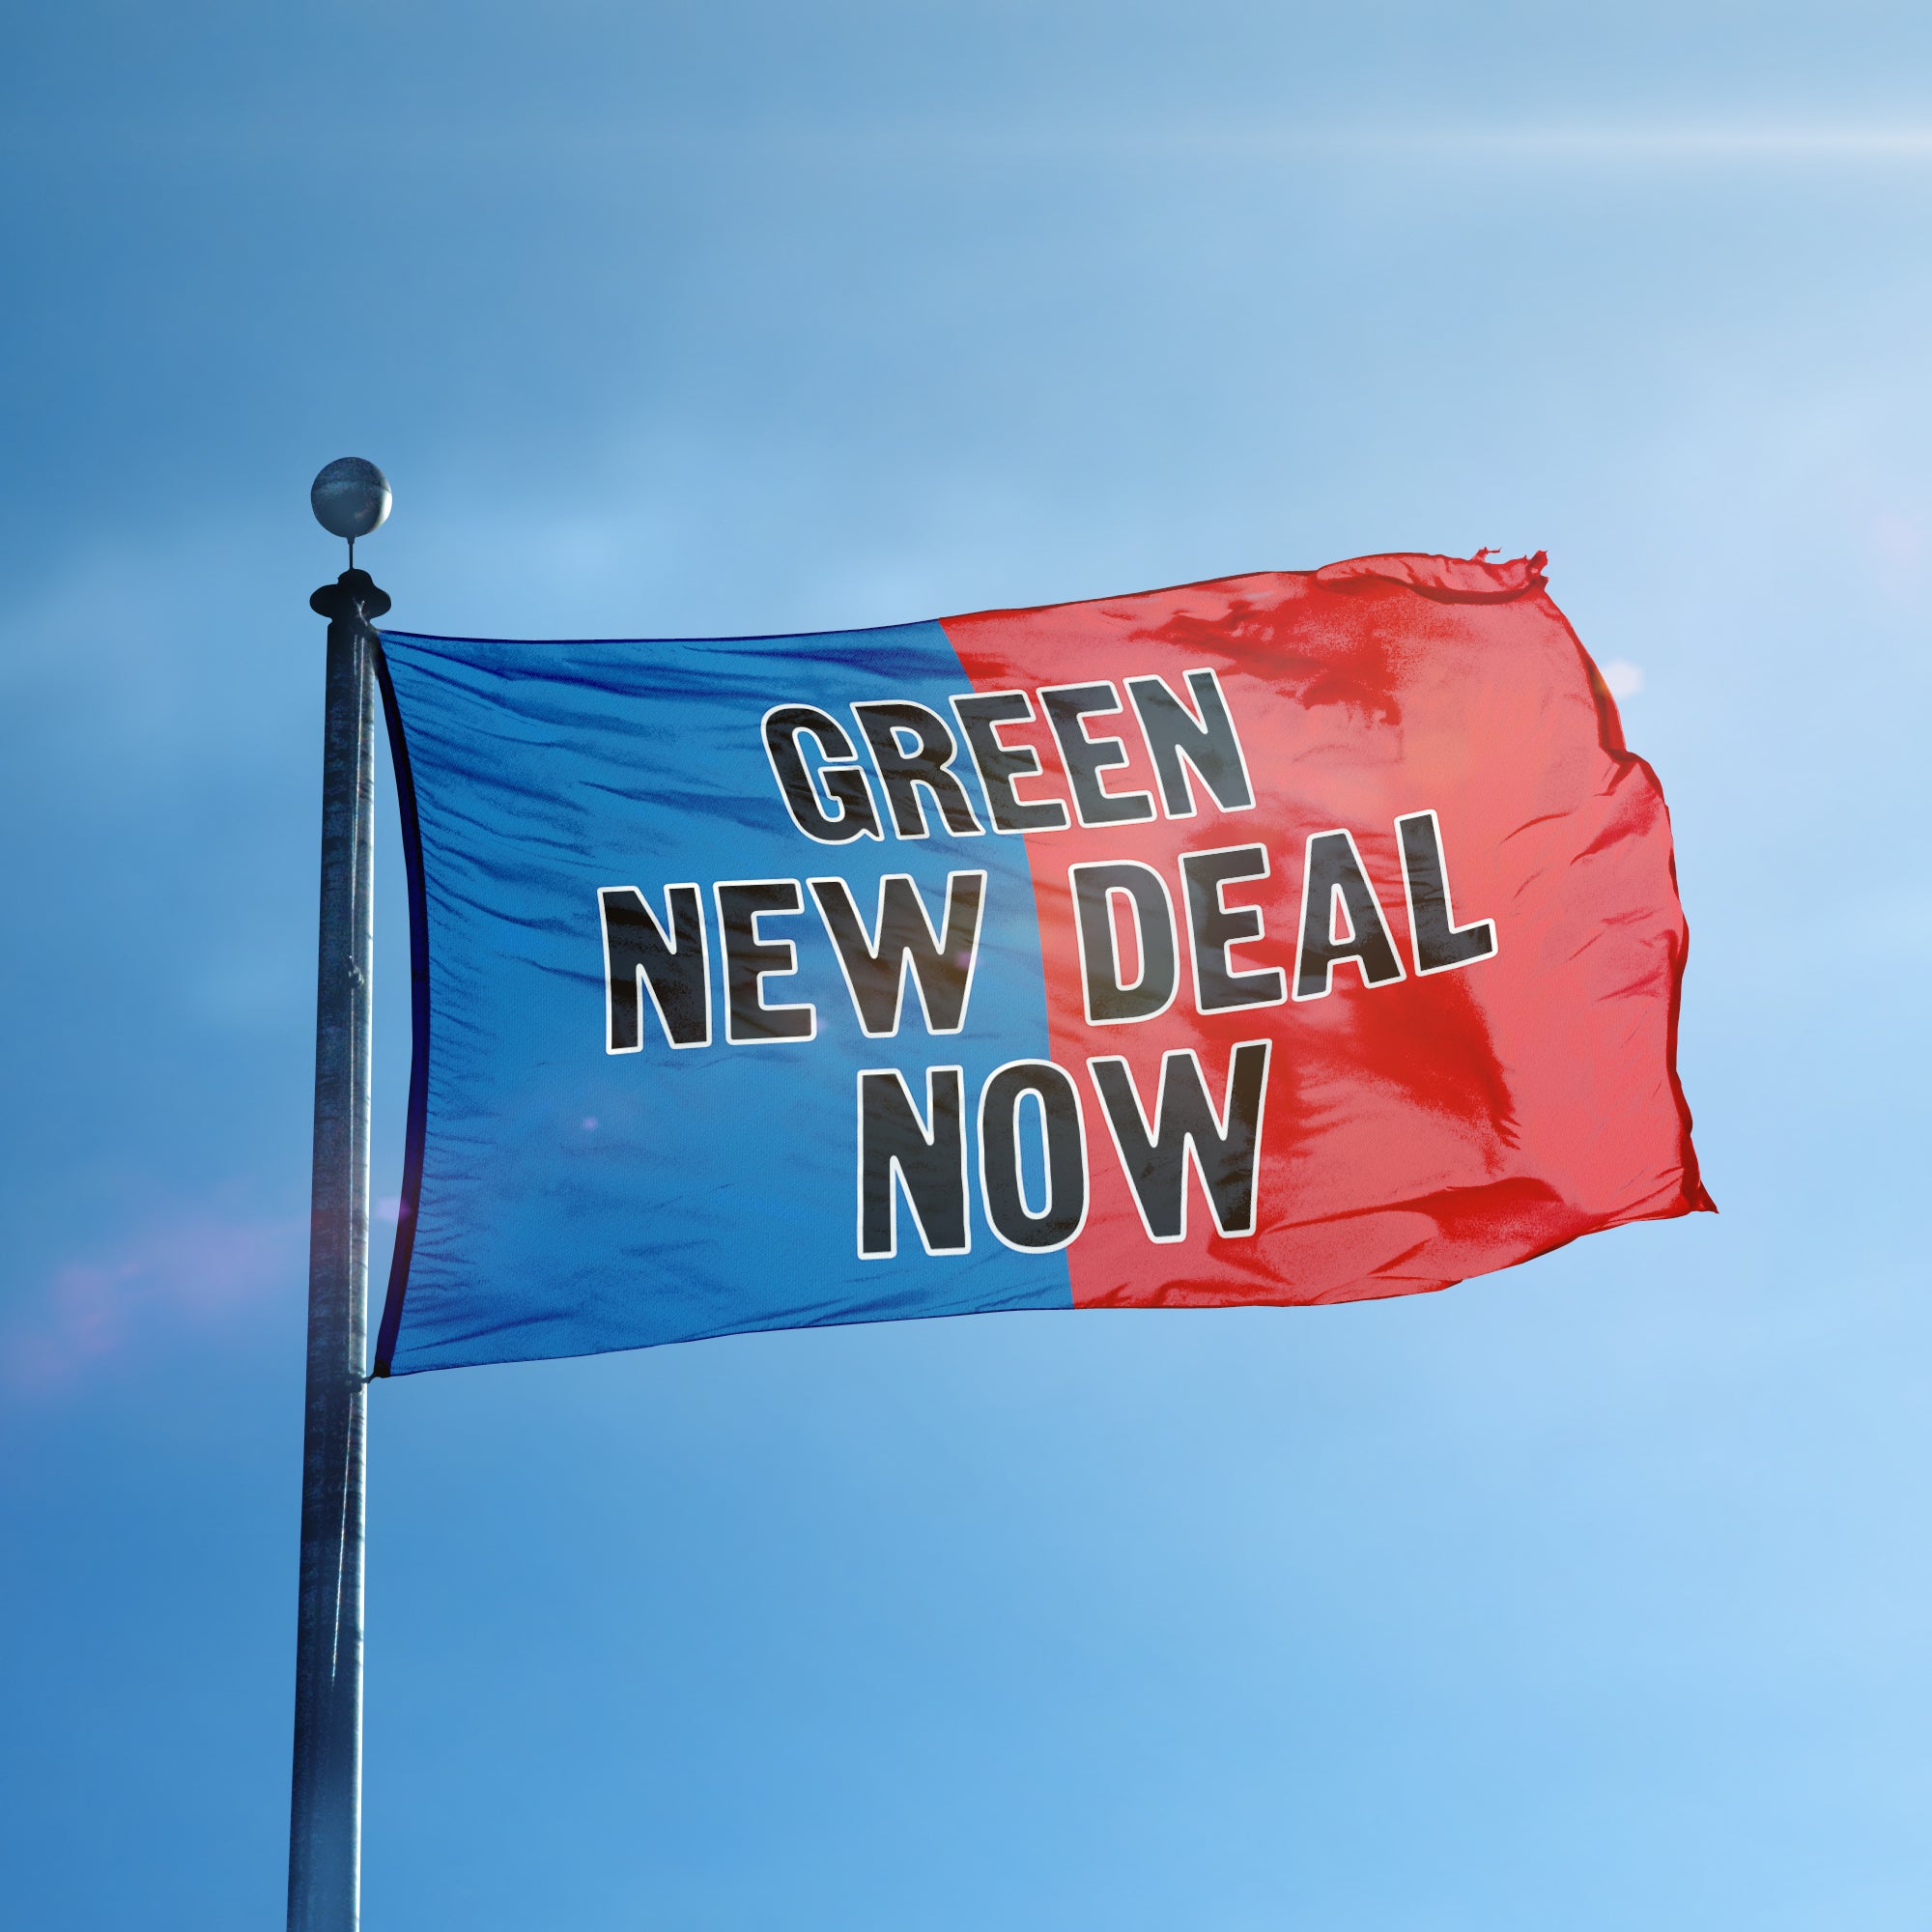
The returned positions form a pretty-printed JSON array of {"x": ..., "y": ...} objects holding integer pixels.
[{"x": 190, "y": 1269}]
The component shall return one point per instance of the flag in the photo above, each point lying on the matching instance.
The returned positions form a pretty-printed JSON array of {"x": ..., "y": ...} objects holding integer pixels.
[{"x": 1297, "y": 937}]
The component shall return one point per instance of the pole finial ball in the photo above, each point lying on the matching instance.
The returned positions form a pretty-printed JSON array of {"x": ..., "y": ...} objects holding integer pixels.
[{"x": 350, "y": 498}]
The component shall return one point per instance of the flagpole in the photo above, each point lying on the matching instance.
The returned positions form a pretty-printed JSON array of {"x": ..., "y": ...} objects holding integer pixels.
[{"x": 350, "y": 498}]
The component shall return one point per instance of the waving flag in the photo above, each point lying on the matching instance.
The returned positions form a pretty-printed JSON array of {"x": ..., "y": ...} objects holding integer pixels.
[{"x": 1291, "y": 938}]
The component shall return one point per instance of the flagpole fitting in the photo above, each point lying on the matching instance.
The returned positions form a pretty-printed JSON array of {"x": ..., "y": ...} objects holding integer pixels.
[
  {"x": 354, "y": 598},
  {"x": 350, "y": 498}
]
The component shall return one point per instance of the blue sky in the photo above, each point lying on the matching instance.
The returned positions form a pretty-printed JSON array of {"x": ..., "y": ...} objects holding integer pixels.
[{"x": 1591, "y": 1594}]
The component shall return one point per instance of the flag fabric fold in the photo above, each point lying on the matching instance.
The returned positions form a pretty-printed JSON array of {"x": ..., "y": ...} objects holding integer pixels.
[{"x": 1291, "y": 938}]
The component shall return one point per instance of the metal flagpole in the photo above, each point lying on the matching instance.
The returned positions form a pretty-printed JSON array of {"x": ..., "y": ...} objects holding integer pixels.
[{"x": 351, "y": 498}]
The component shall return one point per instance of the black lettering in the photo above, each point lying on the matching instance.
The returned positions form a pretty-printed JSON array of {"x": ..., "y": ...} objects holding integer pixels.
[
  {"x": 929, "y": 1161},
  {"x": 1087, "y": 757},
  {"x": 1334, "y": 867},
  {"x": 1213, "y": 929},
  {"x": 928, "y": 764},
  {"x": 1439, "y": 942},
  {"x": 874, "y": 964},
  {"x": 846, "y": 785},
  {"x": 1108, "y": 1002},
  {"x": 750, "y": 958},
  {"x": 1226, "y": 1149},
  {"x": 1002, "y": 1184},
  {"x": 638, "y": 955},
  {"x": 1206, "y": 742},
  {"x": 980, "y": 713}
]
